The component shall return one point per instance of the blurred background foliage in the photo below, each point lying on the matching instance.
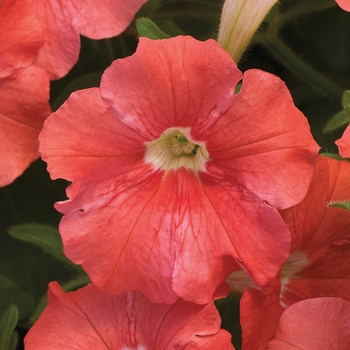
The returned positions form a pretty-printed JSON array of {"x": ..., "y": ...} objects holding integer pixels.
[{"x": 317, "y": 33}]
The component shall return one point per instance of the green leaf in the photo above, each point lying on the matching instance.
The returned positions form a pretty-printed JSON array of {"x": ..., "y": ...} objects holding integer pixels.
[
  {"x": 344, "y": 205},
  {"x": 11, "y": 293},
  {"x": 346, "y": 99},
  {"x": 146, "y": 28},
  {"x": 46, "y": 237},
  {"x": 336, "y": 122},
  {"x": 8, "y": 323}
]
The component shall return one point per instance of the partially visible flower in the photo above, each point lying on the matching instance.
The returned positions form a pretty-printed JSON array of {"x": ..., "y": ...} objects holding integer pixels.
[
  {"x": 63, "y": 21},
  {"x": 24, "y": 89},
  {"x": 344, "y": 4},
  {"x": 319, "y": 264},
  {"x": 240, "y": 19},
  {"x": 344, "y": 143},
  {"x": 175, "y": 177},
  {"x": 92, "y": 319},
  {"x": 260, "y": 312},
  {"x": 314, "y": 324}
]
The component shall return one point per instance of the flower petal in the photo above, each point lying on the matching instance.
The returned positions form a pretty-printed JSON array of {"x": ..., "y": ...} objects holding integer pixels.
[
  {"x": 314, "y": 324},
  {"x": 344, "y": 4},
  {"x": 62, "y": 42},
  {"x": 321, "y": 236},
  {"x": 259, "y": 316},
  {"x": 102, "y": 19},
  {"x": 23, "y": 109},
  {"x": 92, "y": 319},
  {"x": 170, "y": 83},
  {"x": 21, "y": 36},
  {"x": 344, "y": 143},
  {"x": 264, "y": 142}
]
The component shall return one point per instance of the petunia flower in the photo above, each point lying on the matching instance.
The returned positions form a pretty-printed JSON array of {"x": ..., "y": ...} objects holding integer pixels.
[
  {"x": 240, "y": 19},
  {"x": 344, "y": 144},
  {"x": 93, "y": 319},
  {"x": 344, "y": 4},
  {"x": 176, "y": 179},
  {"x": 63, "y": 21},
  {"x": 312, "y": 324},
  {"x": 24, "y": 89},
  {"x": 319, "y": 264},
  {"x": 320, "y": 261}
]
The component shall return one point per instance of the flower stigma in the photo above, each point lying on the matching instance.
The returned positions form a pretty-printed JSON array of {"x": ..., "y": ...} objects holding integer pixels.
[{"x": 175, "y": 149}]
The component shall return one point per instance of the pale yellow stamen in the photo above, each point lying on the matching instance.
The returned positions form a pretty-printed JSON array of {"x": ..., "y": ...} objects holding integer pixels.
[{"x": 175, "y": 149}]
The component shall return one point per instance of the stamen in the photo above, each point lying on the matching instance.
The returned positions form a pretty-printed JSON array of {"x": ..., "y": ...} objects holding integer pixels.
[{"x": 174, "y": 149}]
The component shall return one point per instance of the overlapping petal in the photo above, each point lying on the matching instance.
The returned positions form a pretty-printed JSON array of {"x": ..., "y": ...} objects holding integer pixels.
[
  {"x": 21, "y": 36},
  {"x": 259, "y": 316},
  {"x": 181, "y": 232},
  {"x": 344, "y": 144},
  {"x": 101, "y": 19},
  {"x": 63, "y": 21},
  {"x": 322, "y": 237},
  {"x": 62, "y": 42},
  {"x": 92, "y": 319},
  {"x": 24, "y": 88},
  {"x": 319, "y": 264},
  {"x": 23, "y": 109},
  {"x": 314, "y": 324}
]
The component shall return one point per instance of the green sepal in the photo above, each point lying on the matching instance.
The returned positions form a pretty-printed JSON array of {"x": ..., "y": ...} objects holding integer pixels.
[
  {"x": 8, "y": 322},
  {"x": 346, "y": 99},
  {"x": 344, "y": 205},
  {"x": 342, "y": 118},
  {"x": 46, "y": 237},
  {"x": 146, "y": 28},
  {"x": 336, "y": 122}
]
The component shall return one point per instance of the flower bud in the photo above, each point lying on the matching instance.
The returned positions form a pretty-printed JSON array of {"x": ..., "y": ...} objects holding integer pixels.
[{"x": 240, "y": 19}]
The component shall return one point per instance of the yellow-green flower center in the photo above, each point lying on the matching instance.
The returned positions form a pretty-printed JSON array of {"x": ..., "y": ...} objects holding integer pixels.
[{"x": 175, "y": 149}]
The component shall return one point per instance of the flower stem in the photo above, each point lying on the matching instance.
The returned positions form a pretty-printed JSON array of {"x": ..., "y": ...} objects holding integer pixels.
[
  {"x": 304, "y": 8},
  {"x": 275, "y": 45},
  {"x": 300, "y": 68}
]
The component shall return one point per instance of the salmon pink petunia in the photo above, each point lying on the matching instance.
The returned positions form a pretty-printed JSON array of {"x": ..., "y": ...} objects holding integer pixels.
[
  {"x": 24, "y": 89},
  {"x": 344, "y": 4},
  {"x": 344, "y": 143},
  {"x": 63, "y": 21},
  {"x": 319, "y": 264},
  {"x": 320, "y": 261},
  {"x": 93, "y": 319},
  {"x": 175, "y": 177},
  {"x": 312, "y": 324}
]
